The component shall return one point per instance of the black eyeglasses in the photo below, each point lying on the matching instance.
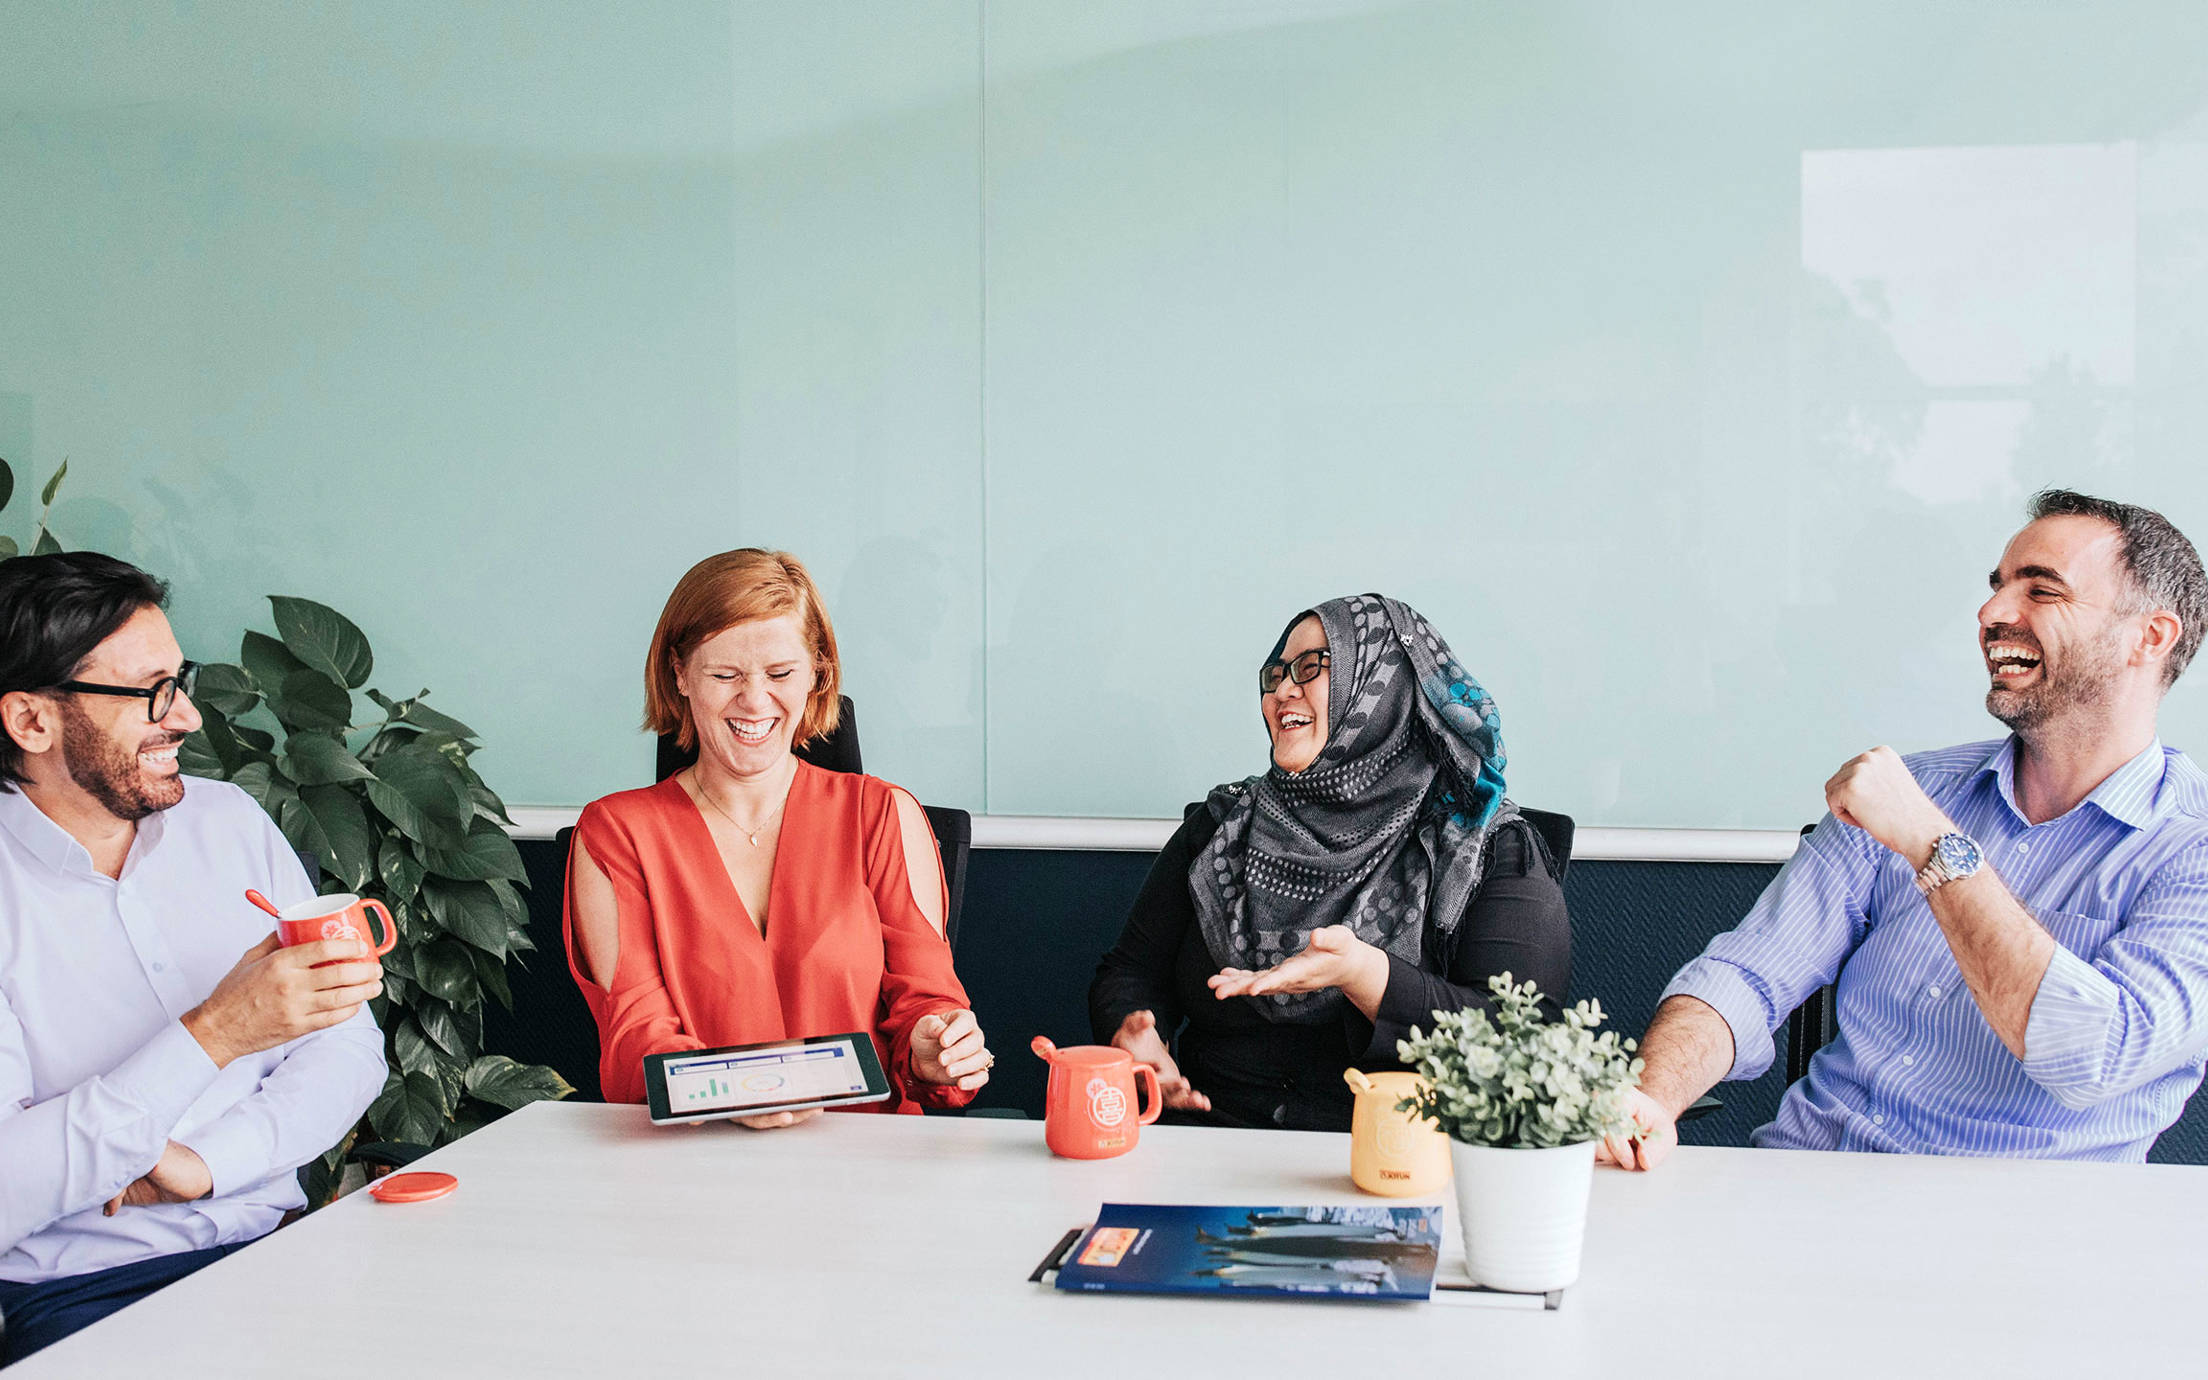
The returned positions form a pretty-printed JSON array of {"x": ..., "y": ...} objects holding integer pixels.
[
  {"x": 1302, "y": 670},
  {"x": 160, "y": 697}
]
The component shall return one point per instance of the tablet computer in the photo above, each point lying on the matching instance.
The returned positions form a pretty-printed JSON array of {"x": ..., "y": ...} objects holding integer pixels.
[{"x": 755, "y": 1080}]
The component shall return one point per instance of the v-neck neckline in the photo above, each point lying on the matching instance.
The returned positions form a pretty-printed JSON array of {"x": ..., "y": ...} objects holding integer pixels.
[{"x": 728, "y": 878}]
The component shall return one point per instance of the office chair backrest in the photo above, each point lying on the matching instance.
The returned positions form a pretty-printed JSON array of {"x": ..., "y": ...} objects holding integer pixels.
[
  {"x": 839, "y": 751},
  {"x": 1556, "y": 833},
  {"x": 1810, "y": 1026}
]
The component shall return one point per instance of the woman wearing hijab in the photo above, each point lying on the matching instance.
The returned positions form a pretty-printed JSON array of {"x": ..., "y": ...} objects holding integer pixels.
[{"x": 1302, "y": 920}]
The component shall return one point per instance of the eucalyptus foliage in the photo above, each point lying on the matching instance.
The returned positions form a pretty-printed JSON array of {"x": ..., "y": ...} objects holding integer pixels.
[
  {"x": 388, "y": 804},
  {"x": 1516, "y": 1080}
]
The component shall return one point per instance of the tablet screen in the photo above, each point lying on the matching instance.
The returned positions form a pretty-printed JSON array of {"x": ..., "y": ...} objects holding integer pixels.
[{"x": 733, "y": 1080}]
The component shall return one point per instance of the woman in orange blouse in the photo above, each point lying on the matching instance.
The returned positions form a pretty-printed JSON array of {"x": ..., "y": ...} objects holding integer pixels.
[{"x": 689, "y": 926}]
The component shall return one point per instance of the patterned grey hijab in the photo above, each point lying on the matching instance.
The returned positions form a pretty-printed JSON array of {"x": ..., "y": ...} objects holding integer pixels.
[{"x": 1386, "y": 828}]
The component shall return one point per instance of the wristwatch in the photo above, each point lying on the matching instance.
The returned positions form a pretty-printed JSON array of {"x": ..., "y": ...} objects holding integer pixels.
[{"x": 1955, "y": 855}]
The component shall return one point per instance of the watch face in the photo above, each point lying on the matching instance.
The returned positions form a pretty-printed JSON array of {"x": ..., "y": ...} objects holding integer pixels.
[{"x": 1959, "y": 854}]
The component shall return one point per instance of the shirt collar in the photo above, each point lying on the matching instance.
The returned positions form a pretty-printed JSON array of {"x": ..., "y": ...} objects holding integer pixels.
[
  {"x": 46, "y": 841},
  {"x": 2129, "y": 795}
]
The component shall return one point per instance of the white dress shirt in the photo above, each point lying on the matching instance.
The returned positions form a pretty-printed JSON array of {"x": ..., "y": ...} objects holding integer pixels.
[{"x": 98, "y": 1073}]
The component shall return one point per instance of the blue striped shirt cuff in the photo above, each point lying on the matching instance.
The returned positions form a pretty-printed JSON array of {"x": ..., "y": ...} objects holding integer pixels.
[
  {"x": 2066, "y": 1037},
  {"x": 1727, "y": 989}
]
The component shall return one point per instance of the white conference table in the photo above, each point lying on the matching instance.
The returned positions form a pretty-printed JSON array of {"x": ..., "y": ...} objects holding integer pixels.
[{"x": 583, "y": 1241}]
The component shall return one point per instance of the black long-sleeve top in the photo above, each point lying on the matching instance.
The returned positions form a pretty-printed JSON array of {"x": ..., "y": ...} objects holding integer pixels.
[{"x": 1264, "y": 1073}]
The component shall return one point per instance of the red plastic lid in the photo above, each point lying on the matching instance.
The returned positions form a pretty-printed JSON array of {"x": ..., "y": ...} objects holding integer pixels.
[{"x": 417, "y": 1187}]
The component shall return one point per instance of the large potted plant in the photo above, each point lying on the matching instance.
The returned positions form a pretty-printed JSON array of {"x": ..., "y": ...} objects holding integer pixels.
[
  {"x": 387, "y": 804},
  {"x": 1524, "y": 1101}
]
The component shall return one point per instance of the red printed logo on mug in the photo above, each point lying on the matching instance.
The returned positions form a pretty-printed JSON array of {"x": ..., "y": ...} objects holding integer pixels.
[{"x": 343, "y": 916}]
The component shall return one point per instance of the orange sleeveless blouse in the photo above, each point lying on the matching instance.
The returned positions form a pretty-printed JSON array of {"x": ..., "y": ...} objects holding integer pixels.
[{"x": 845, "y": 948}]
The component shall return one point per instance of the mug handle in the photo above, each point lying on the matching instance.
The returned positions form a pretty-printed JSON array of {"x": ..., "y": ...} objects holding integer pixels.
[
  {"x": 1144, "y": 1074},
  {"x": 390, "y": 928}
]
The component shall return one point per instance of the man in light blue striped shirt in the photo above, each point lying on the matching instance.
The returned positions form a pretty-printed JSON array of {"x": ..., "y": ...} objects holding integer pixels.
[{"x": 2018, "y": 928}]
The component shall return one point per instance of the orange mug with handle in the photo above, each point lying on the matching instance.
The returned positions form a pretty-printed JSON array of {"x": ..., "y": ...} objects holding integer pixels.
[
  {"x": 1091, "y": 1110},
  {"x": 342, "y": 916}
]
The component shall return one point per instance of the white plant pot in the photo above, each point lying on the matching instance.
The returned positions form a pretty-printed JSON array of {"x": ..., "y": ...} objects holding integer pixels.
[{"x": 1524, "y": 1213}]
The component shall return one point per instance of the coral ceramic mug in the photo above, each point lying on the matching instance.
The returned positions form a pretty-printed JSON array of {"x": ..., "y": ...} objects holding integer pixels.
[
  {"x": 1391, "y": 1153},
  {"x": 343, "y": 916},
  {"x": 1091, "y": 1111}
]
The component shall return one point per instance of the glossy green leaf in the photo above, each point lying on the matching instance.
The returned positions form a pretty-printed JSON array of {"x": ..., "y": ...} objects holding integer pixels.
[
  {"x": 227, "y": 688},
  {"x": 256, "y": 741},
  {"x": 310, "y": 699},
  {"x": 260, "y": 781},
  {"x": 487, "y": 853},
  {"x": 449, "y": 1027},
  {"x": 467, "y": 910},
  {"x": 488, "y": 805},
  {"x": 317, "y": 759},
  {"x": 412, "y": 1107},
  {"x": 302, "y": 829},
  {"x": 413, "y": 1050},
  {"x": 352, "y": 855},
  {"x": 45, "y": 545},
  {"x": 8, "y": 549},
  {"x": 430, "y": 721},
  {"x": 499, "y": 1080},
  {"x": 195, "y": 758},
  {"x": 490, "y": 975},
  {"x": 324, "y": 639},
  {"x": 267, "y": 661},
  {"x": 423, "y": 794},
  {"x": 53, "y": 486},
  {"x": 400, "y": 871},
  {"x": 443, "y": 969},
  {"x": 7, "y": 483}
]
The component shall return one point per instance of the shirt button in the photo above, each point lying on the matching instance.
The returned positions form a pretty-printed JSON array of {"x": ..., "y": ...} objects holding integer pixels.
[
  {"x": 2023, "y": 848},
  {"x": 160, "y": 968},
  {"x": 1908, "y": 1060},
  {"x": 1879, "y": 1120},
  {"x": 1934, "y": 989}
]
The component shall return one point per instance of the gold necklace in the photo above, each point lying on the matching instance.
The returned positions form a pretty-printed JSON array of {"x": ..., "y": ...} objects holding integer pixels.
[{"x": 750, "y": 835}]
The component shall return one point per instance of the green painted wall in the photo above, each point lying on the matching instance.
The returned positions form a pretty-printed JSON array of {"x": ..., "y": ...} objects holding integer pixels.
[{"x": 1687, "y": 364}]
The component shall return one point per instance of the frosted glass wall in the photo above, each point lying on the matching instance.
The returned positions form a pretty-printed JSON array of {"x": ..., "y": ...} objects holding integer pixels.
[{"x": 1686, "y": 365}]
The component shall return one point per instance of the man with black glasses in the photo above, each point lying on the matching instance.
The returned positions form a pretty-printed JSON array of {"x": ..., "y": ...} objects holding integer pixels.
[{"x": 157, "y": 1090}]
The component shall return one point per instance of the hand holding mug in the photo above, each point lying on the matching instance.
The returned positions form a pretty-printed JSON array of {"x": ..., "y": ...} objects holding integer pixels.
[
  {"x": 274, "y": 995},
  {"x": 947, "y": 1047}
]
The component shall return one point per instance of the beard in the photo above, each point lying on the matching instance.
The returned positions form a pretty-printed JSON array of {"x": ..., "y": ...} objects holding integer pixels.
[
  {"x": 109, "y": 772},
  {"x": 2081, "y": 680}
]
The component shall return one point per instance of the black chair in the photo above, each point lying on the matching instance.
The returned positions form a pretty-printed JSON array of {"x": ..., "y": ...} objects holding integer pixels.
[
  {"x": 839, "y": 751},
  {"x": 1810, "y": 1026},
  {"x": 1556, "y": 833}
]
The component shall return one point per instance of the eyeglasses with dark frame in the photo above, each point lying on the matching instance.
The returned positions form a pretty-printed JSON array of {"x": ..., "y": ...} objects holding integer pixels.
[
  {"x": 160, "y": 697},
  {"x": 1301, "y": 669}
]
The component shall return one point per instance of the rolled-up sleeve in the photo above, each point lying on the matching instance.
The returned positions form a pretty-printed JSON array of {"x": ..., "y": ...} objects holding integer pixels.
[
  {"x": 1792, "y": 942},
  {"x": 2136, "y": 1008}
]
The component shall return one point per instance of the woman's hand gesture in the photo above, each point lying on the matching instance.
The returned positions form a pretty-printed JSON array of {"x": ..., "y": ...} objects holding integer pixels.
[
  {"x": 1138, "y": 1035},
  {"x": 1335, "y": 957},
  {"x": 948, "y": 1048}
]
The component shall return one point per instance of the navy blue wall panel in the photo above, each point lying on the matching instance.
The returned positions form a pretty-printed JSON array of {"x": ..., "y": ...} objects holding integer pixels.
[{"x": 1035, "y": 923}]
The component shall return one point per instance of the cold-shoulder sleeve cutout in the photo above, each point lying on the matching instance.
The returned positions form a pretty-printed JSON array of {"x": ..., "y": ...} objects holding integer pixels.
[{"x": 923, "y": 859}]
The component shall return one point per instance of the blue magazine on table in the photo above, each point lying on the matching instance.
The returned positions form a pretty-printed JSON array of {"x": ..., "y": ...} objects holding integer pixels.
[{"x": 1340, "y": 1252}]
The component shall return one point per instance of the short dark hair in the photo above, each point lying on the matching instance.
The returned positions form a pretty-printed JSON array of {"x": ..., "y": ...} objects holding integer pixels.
[
  {"x": 2165, "y": 569},
  {"x": 54, "y": 610}
]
